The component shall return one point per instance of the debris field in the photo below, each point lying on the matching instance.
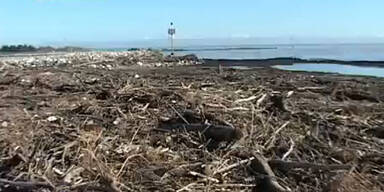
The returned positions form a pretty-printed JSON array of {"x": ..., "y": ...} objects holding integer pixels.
[{"x": 138, "y": 127}]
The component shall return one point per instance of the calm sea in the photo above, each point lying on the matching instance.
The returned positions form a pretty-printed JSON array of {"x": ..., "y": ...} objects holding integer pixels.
[
  {"x": 347, "y": 52},
  {"x": 334, "y": 68},
  {"x": 370, "y": 52}
]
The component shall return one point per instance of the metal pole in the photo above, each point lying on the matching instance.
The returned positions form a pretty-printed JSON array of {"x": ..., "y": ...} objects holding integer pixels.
[
  {"x": 171, "y": 32},
  {"x": 172, "y": 49}
]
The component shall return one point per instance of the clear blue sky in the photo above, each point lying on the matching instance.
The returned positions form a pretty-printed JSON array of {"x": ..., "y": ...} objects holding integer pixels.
[{"x": 42, "y": 21}]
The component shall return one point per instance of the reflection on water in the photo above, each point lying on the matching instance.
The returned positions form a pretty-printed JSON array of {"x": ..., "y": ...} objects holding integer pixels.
[{"x": 334, "y": 68}]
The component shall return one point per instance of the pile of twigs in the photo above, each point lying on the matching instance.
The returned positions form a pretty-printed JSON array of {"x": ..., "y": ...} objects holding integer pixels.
[{"x": 73, "y": 129}]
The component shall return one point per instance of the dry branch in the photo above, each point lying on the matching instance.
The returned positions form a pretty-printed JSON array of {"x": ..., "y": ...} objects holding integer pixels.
[
  {"x": 285, "y": 165},
  {"x": 25, "y": 184},
  {"x": 266, "y": 179}
]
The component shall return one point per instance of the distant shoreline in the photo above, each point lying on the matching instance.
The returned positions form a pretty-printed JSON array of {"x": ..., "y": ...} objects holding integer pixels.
[
  {"x": 34, "y": 54},
  {"x": 9, "y": 50},
  {"x": 287, "y": 61},
  {"x": 268, "y": 62}
]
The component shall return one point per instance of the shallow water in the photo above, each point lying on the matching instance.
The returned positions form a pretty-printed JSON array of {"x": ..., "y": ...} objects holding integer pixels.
[{"x": 334, "y": 68}]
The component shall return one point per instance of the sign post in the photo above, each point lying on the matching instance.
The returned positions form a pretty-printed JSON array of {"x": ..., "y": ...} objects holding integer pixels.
[{"x": 171, "y": 33}]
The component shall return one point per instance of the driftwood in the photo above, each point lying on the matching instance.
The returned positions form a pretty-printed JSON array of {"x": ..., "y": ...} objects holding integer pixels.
[
  {"x": 278, "y": 103},
  {"x": 191, "y": 122},
  {"x": 376, "y": 132},
  {"x": 266, "y": 179},
  {"x": 105, "y": 126},
  {"x": 284, "y": 166},
  {"x": 360, "y": 95},
  {"x": 29, "y": 185},
  {"x": 310, "y": 88},
  {"x": 25, "y": 184},
  {"x": 354, "y": 95},
  {"x": 214, "y": 132},
  {"x": 219, "y": 68}
]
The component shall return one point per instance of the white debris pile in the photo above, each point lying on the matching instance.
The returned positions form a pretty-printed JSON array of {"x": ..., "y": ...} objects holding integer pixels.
[
  {"x": 91, "y": 59},
  {"x": 104, "y": 60}
]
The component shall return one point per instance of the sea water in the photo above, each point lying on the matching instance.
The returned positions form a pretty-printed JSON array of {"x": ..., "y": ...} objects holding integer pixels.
[
  {"x": 334, "y": 68},
  {"x": 347, "y": 52}
]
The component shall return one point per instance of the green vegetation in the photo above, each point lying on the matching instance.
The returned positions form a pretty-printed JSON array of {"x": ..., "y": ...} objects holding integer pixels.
[
  {"x": 18, "y": 48},
  {"x": 30, "y": 48}
]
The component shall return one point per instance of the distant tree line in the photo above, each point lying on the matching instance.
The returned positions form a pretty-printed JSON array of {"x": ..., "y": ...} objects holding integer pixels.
[
  {"x": 30, "y": 48},
  {"x": 18, "y": 48}
]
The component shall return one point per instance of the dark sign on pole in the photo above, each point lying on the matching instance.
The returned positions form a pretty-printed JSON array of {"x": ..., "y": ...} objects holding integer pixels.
[{"x": 171, "y": 31}]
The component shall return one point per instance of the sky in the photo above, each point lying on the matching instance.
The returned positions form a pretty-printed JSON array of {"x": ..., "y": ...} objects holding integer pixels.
[{"x": 87, "y": 21}]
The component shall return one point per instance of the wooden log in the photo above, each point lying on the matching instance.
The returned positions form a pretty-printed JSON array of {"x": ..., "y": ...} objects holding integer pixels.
[
  {"x": 266, "y": 179},
  {"x": 284, "y": 166},
  {"x": 24, "y": 184},
  {"x": 215, "y": 132}
]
